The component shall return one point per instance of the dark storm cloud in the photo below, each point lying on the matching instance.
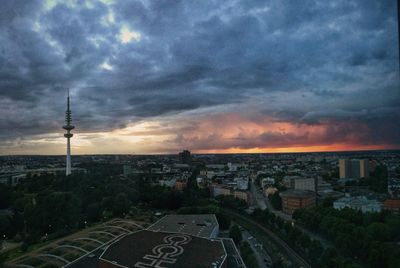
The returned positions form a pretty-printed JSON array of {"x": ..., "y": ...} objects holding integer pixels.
[{"x": 334, "y": 60}]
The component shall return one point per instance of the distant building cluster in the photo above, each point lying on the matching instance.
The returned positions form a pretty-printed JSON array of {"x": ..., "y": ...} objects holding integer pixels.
[
  {"x": 13, "y": 175},
  {"x": 392, "y": 203},
  {"x": 225, "y": 179},
  {"x": 236, "y": 187},
  {"x": 394, "y": 188},
  {"x": 301, "y": 180},
  {"x": 174, "y": 176}
]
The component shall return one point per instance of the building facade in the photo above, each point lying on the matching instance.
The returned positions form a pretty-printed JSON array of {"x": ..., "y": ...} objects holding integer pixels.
[
  {"x": 354, "y": 168},
  {"x": 297, "y": 199},
  {"x": 185, "y": 157},
  {"x": 308, "y": 184},
  {"x": 358, "y": 203}
]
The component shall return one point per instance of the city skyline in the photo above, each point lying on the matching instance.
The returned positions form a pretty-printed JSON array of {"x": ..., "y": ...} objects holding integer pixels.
[{"x": 234, "y": 77}]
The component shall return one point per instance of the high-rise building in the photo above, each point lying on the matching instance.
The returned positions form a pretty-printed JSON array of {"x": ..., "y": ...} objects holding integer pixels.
[
  {"x": 68, "y": 127},
  {"x": 344, "y": 168},
  {"x": 364, "y": 168},
  {"x": 185, "y": 157},
  {"x": 353, "y": 168}
]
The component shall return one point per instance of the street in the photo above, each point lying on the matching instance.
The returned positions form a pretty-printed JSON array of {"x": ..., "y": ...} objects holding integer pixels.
[
  {"x": 263, "y": 259},
  {"x": 264, "y": 203},
  {"x": 258, "y": 198}
]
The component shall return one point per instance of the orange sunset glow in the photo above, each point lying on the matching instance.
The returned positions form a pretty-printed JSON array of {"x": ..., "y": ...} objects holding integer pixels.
[{"x": 148, "y": 77}]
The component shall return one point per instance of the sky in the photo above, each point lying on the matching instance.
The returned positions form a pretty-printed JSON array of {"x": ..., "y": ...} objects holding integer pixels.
[{"x": 211, "y": 76}]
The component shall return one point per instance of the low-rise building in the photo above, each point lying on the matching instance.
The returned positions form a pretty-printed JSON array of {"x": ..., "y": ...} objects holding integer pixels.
[
  {"x": 217, "y": 190},
  {"x": 203, "y": 225},
  {"x": 270, "y": 190},
  {"x": 394, "y": 188},
  {"x": 392, "y": 205},
  {"x": 242, "y": 184},
  {"x": 159, "y": 249},
  {"x": 308, "y": 184},
  {"x": 167, "y": 182},
  {"x": 358, "y": 203},
  {"x": 297, "y": 199},
  {"x": 288, "y": 181},
  {"x": 266, "y": 182},
  {"x": 243, "y": 195},
  {"x": 323, "y": 186},
  {"x": 202, "y": 182},
  {"x": 180, "y": 184}
]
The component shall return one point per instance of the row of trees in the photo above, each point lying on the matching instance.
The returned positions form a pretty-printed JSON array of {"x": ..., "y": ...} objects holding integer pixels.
[
  {"x": 5, "y": 196},
  {"x": 53, "y": 205},
  {"x": 245, "y": 249},
  {"x": 296, "y": 238},
  {"x": 377, "y": 181},
  {"x": 312, "y": 249},
  {"x": 366, "y": 238},
  {"x": 235, "y": 234},
  {"x": 276, "y": 200},
  {"x": 228, "y": 201},
  {"x": 248, "y": 255}
]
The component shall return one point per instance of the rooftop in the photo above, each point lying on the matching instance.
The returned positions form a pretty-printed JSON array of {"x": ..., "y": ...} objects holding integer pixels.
[
  {"x": 392, "y": 203},
  {"x": 297, "y": 193},
  {"x": 142, "y": 248},
  {"x": 203, "y": 225}
]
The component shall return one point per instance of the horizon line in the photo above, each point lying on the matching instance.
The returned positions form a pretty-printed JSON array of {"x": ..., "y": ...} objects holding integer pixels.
[{"x": 242, "y": 153}]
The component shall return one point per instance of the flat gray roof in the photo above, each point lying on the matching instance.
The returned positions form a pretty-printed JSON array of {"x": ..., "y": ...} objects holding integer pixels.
[
  {"x": 139, "y": 249},
  {"x": 201, "y": 225},
  {"x": 291, "y": 193}
]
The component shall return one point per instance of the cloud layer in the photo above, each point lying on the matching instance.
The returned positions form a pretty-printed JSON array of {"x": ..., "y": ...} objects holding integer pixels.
[{"x": 156, "y": 76}]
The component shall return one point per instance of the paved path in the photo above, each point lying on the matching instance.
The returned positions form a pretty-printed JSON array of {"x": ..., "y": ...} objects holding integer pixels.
[{"x": 6, "y": 246}]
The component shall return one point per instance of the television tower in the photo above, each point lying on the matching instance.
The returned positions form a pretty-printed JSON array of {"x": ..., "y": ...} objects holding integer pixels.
[{"x": 68, "y": 127}]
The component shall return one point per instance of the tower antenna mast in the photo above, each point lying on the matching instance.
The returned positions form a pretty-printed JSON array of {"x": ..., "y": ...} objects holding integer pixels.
[{"x": 68, "y": 127}]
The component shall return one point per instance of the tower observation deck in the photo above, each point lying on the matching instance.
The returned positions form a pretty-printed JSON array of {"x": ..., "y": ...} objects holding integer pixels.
[{"x": 68, "y": 127}]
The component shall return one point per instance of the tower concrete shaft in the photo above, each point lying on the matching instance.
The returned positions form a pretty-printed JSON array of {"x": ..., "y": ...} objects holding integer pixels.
[{"x": 68, "y": 127}]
